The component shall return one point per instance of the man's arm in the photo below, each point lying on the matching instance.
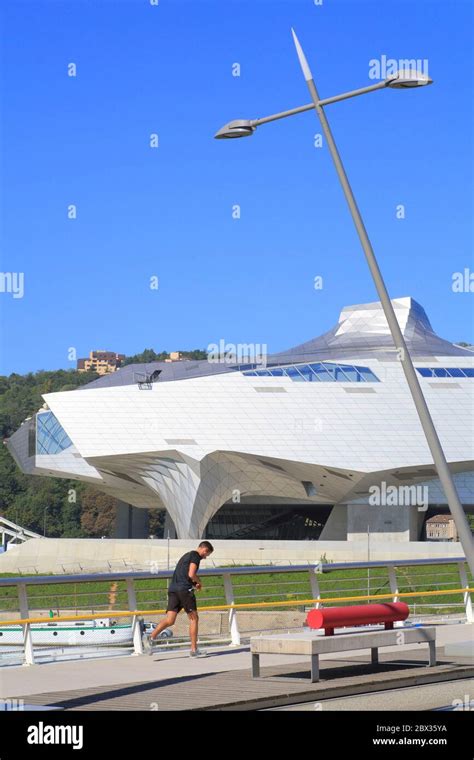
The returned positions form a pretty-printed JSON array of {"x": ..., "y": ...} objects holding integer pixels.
[{"x": 194, "y": 576}]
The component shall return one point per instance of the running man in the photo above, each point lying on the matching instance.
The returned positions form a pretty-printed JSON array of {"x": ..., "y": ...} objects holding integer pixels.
[{"x": 181, "y": 596}]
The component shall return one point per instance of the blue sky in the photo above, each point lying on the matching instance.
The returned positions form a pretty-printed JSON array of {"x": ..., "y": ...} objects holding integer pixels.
[{"x": 167, "y": 212}]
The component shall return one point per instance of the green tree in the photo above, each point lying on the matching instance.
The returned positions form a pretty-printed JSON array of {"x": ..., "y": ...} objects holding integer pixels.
[
  {"x": 97, "y": 513},
  {"x": 34, "y": 501}
]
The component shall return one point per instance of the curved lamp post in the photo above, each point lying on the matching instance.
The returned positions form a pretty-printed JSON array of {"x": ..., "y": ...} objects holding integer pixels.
[{"x": 404, "y": 79}]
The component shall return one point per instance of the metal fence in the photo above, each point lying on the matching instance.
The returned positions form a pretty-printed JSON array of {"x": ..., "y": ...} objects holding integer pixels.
[{"x": 107, "y": 609}]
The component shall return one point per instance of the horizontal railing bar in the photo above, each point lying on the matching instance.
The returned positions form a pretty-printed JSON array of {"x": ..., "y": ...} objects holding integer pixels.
[{"x": 447, "y": 604}]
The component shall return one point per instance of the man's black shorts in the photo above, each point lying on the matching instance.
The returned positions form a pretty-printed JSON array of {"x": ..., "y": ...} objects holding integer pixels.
[{"x": 181, "y": 600}]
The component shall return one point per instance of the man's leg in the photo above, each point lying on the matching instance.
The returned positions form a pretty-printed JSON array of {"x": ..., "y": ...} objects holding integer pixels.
[
  {"x": 193, "y": 629},
  {"x": 169, "y": 620}
]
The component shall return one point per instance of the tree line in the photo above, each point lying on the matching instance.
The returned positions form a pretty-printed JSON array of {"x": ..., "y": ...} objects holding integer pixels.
[{"x": 57, "y": 507}]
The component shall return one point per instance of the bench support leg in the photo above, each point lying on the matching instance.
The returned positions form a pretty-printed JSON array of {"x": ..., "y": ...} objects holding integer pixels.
[
  {"x": 432, "y": 659},
  {"x": 314, "y": 668},
  {"x": 255, "y": 665},
  {"x": 375, "y": 655}
]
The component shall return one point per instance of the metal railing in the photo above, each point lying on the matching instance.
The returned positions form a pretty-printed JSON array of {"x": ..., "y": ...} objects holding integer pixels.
[
  {"x": 13, "y": 533},
  {"x": 316, "y": 590}
]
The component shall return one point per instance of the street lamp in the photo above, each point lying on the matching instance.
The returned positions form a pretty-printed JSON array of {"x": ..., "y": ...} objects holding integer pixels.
[
  {"x": 246, "y": 127},
  {"x": 403, "y": 79},
  {"x": 237, "y": 128},
  {"x": 408, "y": 78}
]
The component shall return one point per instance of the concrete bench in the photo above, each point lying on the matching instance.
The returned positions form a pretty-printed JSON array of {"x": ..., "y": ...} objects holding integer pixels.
[{"x": 313, "y": 645}]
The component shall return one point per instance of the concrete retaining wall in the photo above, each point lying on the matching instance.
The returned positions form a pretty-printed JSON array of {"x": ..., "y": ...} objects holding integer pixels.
[{"x": 75, "y": 555}]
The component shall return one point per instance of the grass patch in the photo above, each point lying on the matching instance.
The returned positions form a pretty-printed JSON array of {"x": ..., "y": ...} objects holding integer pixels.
[{"x": 107, "y": 596}]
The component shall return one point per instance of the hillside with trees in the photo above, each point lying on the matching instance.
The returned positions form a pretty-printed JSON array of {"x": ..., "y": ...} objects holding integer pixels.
[
  {"x": 55, "y": 506},
  {"x": 149, "y": 355}
]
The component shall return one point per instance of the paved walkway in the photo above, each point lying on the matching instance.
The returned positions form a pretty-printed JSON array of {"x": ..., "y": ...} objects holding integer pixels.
[
  {"x": 222, "y": 680},
  {"x": 453, "y": 695}
]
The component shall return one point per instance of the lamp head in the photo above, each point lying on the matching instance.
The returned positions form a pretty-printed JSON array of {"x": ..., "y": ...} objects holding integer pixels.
[
  {"x": 406, "y": 78},
  {"x": 236, "y": 128}
]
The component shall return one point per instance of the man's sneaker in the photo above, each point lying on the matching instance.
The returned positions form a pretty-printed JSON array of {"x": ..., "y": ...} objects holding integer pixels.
[
  {"x": 197, "y": 653},
  {"x": 148, "y": 644}
]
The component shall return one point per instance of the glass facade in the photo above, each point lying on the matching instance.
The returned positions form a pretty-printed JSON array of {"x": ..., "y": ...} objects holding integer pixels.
[
  {"x": 268, "y": 522},
  {"x": 446, "y": 371},
  {"x": 325, "y": 372},
  {"x": 50, "y": 436}
]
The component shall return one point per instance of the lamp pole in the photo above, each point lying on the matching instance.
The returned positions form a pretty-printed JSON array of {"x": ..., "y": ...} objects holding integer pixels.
[
  {"x": 424, "y": 415},
  {"x": 244, "y": 128}
]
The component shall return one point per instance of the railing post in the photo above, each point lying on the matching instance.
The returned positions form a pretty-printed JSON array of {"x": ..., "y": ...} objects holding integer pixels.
[
  {"x": 392, "y": 577},
  {"x": 136, "y": 630},
  {"x": 27, "y": 637},
  {"x": 314, "y": 581},
  {"x": 467, "y": 595},
  {"x": 233, "y": 624}
]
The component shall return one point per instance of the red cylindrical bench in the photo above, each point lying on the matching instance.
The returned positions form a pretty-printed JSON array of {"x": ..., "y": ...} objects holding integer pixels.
[{"x": 330, "y": 618}]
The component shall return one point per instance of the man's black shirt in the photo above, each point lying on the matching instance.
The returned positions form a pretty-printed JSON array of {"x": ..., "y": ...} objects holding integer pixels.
[{"x": 181, "y": 580}]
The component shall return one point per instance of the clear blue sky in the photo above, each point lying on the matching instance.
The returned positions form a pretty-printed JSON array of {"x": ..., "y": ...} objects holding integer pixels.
[{"x": 167, "y": 212}]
